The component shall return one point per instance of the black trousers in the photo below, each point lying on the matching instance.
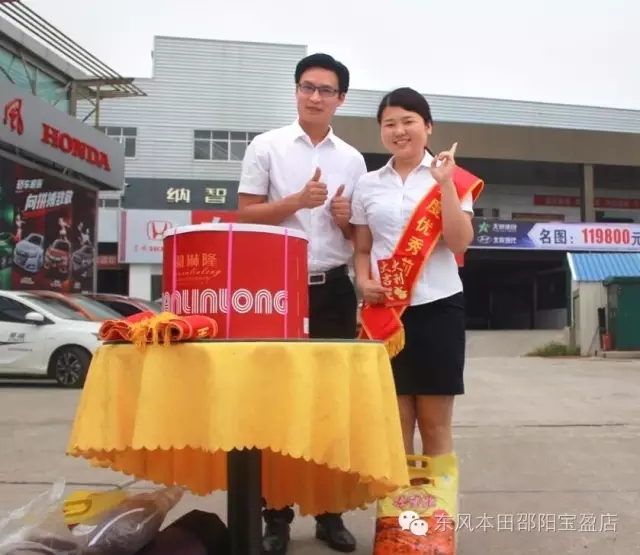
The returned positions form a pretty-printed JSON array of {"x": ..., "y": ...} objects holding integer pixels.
[{"x": 332, "y": 315}]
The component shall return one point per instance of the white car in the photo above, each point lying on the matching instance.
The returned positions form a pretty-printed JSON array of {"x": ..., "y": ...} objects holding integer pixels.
[{"x": 45, "y": 340}]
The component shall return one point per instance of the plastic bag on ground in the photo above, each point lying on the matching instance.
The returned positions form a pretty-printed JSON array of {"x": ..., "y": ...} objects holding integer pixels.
[{"x": 112, "y": 522}]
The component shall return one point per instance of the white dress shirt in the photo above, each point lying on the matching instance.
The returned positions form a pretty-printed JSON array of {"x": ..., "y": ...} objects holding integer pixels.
[
  {"x": 279, "y": 163},
  {"x": 383, "y": 203}
]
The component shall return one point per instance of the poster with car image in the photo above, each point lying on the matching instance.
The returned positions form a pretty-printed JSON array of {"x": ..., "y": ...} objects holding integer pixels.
[{"x": 54, "y": 221}]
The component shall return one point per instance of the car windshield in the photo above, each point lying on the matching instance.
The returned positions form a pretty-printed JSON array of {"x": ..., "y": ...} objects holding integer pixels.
[
  {"x": 61, "y": 245},
  {"x": 35, "y": 239},
  {"x": 54, "y": 306},
  {"x": 97, "y": 309}
]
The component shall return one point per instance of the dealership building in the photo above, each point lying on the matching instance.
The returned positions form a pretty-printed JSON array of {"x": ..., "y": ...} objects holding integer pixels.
[
  {"x": 553, "y": 173},
  {"x": 54, "y": 166}
]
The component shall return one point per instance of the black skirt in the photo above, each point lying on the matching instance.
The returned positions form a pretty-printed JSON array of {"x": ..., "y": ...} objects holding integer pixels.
[{"x": 432, "y": 361}]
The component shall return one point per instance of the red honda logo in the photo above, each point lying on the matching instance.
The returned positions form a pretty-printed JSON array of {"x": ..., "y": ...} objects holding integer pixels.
[
  {"x": 156, "y": 229},
  {"x": 13, "y": 116}
]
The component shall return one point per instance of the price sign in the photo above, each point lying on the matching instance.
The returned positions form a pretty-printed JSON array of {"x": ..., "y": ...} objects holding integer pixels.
[
  {"x": 604, "y": 237},
  {"x": 518, "y": 235}
]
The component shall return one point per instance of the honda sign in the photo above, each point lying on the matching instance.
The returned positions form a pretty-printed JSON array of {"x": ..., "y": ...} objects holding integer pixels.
[
  {"x": 31, "y": 124},
  {"x": 141, "y": 233},
  {"x": 156, "y": 229}
]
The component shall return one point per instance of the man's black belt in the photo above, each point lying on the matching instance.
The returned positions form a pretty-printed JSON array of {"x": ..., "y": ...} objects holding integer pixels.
[{"x": 320, "y": 278}]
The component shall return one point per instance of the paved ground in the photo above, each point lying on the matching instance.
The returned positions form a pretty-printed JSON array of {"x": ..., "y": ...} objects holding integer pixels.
[
  {"x": 486, "y": 343},
  {"x": 558, "y": 440}
]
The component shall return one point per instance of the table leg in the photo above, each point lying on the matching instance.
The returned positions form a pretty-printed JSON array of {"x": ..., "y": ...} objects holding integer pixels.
[{"x": 244, "y": 501}]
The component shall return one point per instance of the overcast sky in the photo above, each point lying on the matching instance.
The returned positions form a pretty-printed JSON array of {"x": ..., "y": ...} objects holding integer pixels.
[{"x": 567, "y": 51}]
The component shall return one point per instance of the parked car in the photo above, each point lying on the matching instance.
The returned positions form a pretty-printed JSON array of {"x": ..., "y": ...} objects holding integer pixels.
[
  {"x": 57, "y": 257},
  {"x": 125, "y": 306},
  {"x": 92, "y": 310},
  {"x": 45, "y": 340},
  {"x": 29, "y": 253}
]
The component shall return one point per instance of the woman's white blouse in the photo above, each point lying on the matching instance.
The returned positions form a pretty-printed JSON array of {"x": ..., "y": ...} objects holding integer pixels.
[{"x": 383, "y": 203}]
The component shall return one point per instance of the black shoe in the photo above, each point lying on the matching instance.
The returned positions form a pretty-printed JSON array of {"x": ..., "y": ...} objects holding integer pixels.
[
  {"x": 275, "y": 539},
  {"x": 331, "y": 530}
]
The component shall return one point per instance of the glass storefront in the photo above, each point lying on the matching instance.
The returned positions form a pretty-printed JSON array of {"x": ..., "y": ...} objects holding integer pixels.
[{"x": 27, "y": 77}]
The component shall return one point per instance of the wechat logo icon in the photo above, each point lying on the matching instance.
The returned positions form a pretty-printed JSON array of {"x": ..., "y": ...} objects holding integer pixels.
[{"x": 411, "y": 521}]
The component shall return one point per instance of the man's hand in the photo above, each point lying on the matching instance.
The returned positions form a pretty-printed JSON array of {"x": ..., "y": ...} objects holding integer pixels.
[
  {"x": 340, "y": 209},
  {"x": 314, "y": 193}
]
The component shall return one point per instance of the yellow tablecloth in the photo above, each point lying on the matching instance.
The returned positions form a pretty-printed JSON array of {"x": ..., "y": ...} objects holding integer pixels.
[{"x": 324, "y": 413}]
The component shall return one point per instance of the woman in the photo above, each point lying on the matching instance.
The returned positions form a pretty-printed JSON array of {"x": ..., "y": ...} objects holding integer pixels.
[{"x": 428, "y": 370}]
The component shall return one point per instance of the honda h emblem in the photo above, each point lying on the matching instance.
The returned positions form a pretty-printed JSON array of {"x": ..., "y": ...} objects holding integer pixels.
[
  {"x": 156, "y": 229},
  {"x": 13, "y": 116}
]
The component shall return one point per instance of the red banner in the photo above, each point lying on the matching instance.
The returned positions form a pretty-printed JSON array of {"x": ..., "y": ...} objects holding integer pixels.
[{"x": 599, "y": 202}]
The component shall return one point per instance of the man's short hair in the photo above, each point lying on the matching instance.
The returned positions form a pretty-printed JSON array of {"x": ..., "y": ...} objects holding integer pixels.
[{"x": 324, "y": 61}]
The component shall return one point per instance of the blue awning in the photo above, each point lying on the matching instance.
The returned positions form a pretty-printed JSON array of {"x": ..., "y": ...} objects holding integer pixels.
[{"x": 587, "y": 266}]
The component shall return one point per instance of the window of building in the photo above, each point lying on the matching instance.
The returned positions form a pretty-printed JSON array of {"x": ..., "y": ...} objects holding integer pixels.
[
  {"x": 124, "y": 135},
  {"x": 486, "y": 212},
  {"x": 31, "y": 78},
  {"x": 221, "y": 146},
  {"x": 109, "y": 203}
]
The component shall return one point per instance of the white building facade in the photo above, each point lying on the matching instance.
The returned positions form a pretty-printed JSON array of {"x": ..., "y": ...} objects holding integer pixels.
[{"x": 207, "y": 99}]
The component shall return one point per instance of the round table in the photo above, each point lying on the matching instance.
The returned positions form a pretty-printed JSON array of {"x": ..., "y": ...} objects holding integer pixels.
[{"x": 307, "y": 422}]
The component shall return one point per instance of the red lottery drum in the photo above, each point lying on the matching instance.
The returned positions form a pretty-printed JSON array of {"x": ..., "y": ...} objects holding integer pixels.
[{"x": 252, "y": 279}]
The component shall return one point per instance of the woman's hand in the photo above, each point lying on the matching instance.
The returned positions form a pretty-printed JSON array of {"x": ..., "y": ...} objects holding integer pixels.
[
  {"x": 443, "y": 164},
  {"x": 373, "y": 292}
]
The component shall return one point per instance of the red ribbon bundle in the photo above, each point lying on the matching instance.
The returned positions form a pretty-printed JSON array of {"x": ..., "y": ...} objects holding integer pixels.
[{"x": 166, "y": 328}]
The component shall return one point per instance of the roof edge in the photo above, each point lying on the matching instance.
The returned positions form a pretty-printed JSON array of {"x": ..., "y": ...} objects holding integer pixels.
[{"x": 221, "y": 41}]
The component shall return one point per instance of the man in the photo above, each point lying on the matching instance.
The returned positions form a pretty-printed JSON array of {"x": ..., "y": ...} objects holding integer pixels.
[{"x": 302, "y": 176}]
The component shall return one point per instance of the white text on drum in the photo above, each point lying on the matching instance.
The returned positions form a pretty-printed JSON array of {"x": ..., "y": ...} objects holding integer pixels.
[{"x": 211, "y": 301}]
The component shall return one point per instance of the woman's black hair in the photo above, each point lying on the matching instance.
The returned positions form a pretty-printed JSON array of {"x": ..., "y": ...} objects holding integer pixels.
[{"x": 408, "y": 99}]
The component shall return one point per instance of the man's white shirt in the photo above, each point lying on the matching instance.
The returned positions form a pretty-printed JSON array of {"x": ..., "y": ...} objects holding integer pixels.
[{"x": 280, "y": 162}]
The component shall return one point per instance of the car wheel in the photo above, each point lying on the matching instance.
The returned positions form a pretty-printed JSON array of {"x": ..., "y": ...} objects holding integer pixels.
[{"x": 69, "y": 367}]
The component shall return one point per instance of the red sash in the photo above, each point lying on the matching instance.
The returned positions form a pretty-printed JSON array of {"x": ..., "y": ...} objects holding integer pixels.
[{"x": 414, "y": 247}]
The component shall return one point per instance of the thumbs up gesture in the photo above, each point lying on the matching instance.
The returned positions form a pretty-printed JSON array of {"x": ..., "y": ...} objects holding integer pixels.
[
  {"x": 314, "y": 193},
  {"x": 340, "y": 208}
]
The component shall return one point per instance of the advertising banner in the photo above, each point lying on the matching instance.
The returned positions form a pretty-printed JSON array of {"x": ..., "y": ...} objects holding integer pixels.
[
  {"x": 141, "y": 231},
  {"x": 507, "y": 234},
  {"x": 599, "y": 202},
  {"x": 53, "y": 226}
]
